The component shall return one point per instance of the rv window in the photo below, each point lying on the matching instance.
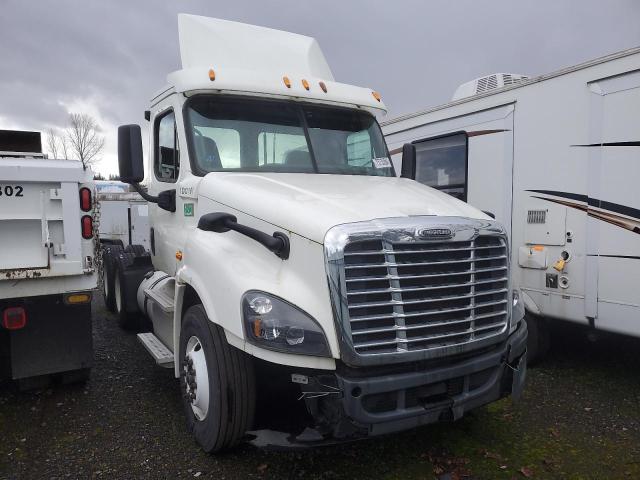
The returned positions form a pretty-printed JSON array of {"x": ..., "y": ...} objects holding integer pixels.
[
  {"x": 167, "y": 153},
  {"x": 441, "y": 163}
]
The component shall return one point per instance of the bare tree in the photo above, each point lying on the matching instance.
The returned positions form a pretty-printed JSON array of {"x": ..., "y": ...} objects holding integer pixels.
[
  {"x": 85, "y": 141},
  {"x": 56, "y": 143}
]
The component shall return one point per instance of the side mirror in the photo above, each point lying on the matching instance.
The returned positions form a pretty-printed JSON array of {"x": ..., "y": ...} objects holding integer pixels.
[
  {"x": 408, "y": 169},
  {"x": 131, "y": 165},
  {"x": 130, "y": 161}
]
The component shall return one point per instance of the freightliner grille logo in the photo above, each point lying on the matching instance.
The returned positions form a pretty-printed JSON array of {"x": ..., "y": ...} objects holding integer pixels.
[{"x": 434, "y": 233}]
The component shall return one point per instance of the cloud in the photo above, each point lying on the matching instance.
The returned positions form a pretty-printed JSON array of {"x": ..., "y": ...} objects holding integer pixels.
[{"x": 109, "y": 57}]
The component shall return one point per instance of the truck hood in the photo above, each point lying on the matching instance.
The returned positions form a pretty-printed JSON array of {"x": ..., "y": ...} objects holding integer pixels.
[{"x": 310, "y": 204}]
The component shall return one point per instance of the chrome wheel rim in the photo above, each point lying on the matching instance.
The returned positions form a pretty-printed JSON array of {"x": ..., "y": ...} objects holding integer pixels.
[{"x": 196, "y": 378}]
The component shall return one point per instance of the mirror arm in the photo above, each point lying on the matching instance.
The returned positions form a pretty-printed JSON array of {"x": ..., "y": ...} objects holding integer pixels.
[
  {"x": 143, "y": 193},
  {"x": 166, "y": 200}
]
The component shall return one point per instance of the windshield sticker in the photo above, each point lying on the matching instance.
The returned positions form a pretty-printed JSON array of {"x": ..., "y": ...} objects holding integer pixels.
[{"x": 382, "y": 162}]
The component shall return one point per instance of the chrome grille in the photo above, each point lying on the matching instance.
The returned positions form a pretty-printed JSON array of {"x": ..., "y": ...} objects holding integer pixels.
[{"x": 409, "y": 296}]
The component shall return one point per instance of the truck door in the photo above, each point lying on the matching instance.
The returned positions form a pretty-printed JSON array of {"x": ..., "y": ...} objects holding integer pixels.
[
  {"x": 469, "y": 157},
  {"x": 613, "y": 211},
  {"x": 166, "y": 238}
]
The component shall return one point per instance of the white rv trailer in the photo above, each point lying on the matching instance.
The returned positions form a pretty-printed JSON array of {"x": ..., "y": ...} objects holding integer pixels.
[
  {"x": 47, "y": 263},
  {"x": 556, "y": 159},
  {"x": 124, "y": 215}
]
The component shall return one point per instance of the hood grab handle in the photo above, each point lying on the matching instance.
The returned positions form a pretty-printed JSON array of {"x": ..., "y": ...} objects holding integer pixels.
[{"x": 221, "y": 222}]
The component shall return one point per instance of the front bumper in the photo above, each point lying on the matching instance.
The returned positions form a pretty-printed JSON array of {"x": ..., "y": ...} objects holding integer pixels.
[
  {"x": 352, "y": 404},
  {"x": 390, "y": 403}
]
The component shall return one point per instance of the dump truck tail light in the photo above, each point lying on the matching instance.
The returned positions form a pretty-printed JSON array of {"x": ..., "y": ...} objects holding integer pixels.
[
  {"x": 87, "y": 227},
  {"x": 14, "y": 318},
  {"x": 85, "y": 199}
]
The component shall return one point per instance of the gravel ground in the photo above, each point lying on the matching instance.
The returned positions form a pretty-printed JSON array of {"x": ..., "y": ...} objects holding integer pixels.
[{"x": 579, "y": 418}]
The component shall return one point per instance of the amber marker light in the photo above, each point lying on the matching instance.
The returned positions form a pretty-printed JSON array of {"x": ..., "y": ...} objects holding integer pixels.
[
  {"x": 286, "y": 81},
  {"x": 257, "y": 328},
  {"x": 76, "y": 298},
  {"x": 305, "y": 84},
  {"x": 376, "y": 95},
  {"x": 212, "y": 74},
  {"x": 323, "y": 87}
]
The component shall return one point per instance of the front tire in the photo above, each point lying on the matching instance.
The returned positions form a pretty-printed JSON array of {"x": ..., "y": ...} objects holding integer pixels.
[{"x": 217, "y": 382}]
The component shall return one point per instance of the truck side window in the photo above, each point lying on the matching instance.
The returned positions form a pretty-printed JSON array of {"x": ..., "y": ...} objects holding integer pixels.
[
  {"x": 167, "y": 152},
  {"x": 441, "y": 162}
]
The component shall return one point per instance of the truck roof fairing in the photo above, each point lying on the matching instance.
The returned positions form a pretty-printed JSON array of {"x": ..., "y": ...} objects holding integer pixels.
[{"x": 251, "y": 60}]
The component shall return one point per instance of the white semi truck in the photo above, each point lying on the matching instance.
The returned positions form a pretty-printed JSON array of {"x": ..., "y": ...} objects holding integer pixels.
[
  {"x": 286, "y": 253},
  {"x": 47, "y": 263}
]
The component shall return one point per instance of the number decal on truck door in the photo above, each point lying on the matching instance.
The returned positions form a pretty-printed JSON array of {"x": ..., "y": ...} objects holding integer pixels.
[{"x": 11, "y": 191}]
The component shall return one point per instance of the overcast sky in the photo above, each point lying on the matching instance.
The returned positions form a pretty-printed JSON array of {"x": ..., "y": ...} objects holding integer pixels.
[{"x": 106, "y": 58}]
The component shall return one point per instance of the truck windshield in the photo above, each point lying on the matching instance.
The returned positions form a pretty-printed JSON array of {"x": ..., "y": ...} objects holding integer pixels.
[{"x": 252, "y": 135}]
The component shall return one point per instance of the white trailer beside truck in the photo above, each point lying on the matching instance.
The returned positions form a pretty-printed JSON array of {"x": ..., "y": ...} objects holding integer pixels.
[
  {"x": 124, "y": 217},
  {"x": 556, "y": 159},
  {"x": 47, "y": 263},
  {"x": 285, "y": 253}
]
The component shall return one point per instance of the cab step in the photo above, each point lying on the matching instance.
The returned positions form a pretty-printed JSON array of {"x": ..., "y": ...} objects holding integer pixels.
[{"x": 157, "y": 349}]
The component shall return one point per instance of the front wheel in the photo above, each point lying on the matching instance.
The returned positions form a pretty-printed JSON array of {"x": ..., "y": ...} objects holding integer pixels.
[{"x": 217, "y": 383}]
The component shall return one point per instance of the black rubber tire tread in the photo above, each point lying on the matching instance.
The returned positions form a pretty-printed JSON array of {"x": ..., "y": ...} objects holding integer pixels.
[
  {"x": 109, "y": 253},
  {"x": 231, "y": 413},
  {"x": 126, "y": 320},
  {"x": 538, "y": 339},
  {"x": 138, "y": 250}
]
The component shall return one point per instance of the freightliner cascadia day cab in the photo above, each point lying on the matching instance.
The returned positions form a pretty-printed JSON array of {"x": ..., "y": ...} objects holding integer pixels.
[
  {"x": 47, "y": 263},
  {"x": 285, "y": 251}
]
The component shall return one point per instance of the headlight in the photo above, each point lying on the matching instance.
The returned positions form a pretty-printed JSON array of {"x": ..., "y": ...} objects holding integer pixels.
[
  {"x": 272, "y": 323},
  {"x": 517, "y": 310}
]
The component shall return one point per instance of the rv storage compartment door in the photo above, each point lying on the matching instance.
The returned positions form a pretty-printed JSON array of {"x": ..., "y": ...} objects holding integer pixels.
[{"x": 613, "y": 254}]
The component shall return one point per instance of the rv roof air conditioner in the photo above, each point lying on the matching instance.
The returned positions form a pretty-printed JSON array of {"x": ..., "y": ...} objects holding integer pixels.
[{"x": 484, "y": 84}]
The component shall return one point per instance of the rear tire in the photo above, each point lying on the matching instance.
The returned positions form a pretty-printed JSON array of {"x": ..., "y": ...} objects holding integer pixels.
[
  {"x": 137, "y": 250},
  {"x": 109, "y": 254},
  {"x": 126, "y": 320},
  {"x": 219, "y": 416},
  {"x": 538, "y": 339}
]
